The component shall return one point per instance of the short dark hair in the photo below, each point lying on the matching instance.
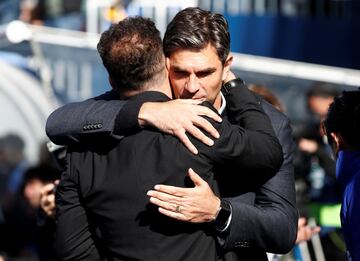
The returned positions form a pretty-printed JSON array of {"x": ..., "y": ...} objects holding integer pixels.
[
  {"x": 323, "y": 89},
  {"x": 194, "y": 28},
  {"x": 131, "y": 51},
  {"x": 43, "y": 173},
  {"x": 343, "y": 117}
]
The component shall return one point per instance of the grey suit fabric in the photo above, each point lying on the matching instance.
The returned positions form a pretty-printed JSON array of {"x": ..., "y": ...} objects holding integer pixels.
[{"x": 269, "y": 222}]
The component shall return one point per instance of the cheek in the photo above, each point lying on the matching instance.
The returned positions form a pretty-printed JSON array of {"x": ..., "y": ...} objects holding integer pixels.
[
  {"x": 177, "y": 87},
  {"x": 213, "y": 85}
]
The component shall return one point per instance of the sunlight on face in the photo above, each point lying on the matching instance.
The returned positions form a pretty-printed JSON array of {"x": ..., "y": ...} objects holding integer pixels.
[{"x": 197, "y": 74}]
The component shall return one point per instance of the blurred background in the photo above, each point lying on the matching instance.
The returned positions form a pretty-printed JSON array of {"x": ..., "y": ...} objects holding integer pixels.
[{"x": 297, "y": 53}]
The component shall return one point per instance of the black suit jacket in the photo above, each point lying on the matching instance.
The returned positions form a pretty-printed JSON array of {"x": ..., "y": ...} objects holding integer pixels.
[{"x": 106, "y": 182}]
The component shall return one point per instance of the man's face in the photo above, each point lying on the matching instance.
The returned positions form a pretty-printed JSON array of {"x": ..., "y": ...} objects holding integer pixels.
[
  {"x": 32, "y": 192},
  {"x": 197, "y": 74}
]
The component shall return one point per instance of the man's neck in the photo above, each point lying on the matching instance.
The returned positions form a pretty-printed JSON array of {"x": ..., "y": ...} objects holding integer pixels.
[{"x": 163, "y": 87}]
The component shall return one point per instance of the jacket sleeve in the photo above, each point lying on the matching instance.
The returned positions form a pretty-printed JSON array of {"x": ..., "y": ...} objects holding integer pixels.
[
  {"x": 75, "y": 121},
  {"x": 270, "y": 224},
  {"x": 251, "y": 143},
  {"x": 73, "y": 240}
]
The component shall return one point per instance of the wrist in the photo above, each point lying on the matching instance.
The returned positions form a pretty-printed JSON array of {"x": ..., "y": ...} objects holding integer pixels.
[
  {"x": 145, "y": 114},
  {"x": 223, "y": 217},
  {"x": 216, "y": 209}
]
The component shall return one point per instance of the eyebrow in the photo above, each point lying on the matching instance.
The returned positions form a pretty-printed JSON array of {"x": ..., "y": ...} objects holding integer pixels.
[{"x": 206, "y": 70}]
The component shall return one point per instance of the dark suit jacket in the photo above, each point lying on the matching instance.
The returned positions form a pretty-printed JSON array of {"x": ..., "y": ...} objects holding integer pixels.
[
  {"x": 265, "y": 219},
  {"x": 106, "y": 182}
]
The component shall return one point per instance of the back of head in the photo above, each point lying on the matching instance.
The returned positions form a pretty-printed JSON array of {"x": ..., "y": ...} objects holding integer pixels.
[
  {"x": 343, "y": 118},
  {"x": 194, "y": 28},
  {"x": 11, "y": 150},
  {"x": 43, "y": 173},
  {"x": 322, "y": 89},
  {"x": 131, "y": 51},
  {"x": 267, "y": 95}
]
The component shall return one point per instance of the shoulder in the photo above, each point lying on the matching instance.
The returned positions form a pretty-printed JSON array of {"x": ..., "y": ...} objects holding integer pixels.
[{"x": 278, "y": 119}]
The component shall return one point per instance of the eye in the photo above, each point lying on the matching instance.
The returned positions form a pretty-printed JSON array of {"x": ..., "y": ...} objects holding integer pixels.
[
  {"x": 203, "y": 74},
  {"x": 180, "y": 73}
]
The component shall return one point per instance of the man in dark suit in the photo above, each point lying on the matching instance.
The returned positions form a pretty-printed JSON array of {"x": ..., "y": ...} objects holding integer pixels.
[{"x": 103, "y": 211}]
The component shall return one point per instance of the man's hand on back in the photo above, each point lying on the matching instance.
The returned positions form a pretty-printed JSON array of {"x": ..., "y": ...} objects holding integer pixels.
[
  {"x": 196, "y": 205},
  {"x": 178, "y": 117}
]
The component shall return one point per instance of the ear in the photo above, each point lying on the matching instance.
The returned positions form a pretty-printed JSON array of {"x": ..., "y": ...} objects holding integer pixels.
[
  {"x": 337, "y": 140},
  {"x": 167, "y": 63},
  {"x": 112, "y": 84},
  {"x": 227, "y": 66}
]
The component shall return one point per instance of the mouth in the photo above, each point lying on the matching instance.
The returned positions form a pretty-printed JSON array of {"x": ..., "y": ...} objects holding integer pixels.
[{"x": 193, "y": 97}]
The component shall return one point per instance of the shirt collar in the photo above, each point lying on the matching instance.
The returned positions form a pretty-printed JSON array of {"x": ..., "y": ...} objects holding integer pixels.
[{"x": 223, "y": 104}]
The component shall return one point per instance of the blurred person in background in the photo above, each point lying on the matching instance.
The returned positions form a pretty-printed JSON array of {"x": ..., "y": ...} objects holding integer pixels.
[
  {"x": 65, "y": 14},
  {"x": 342, "y": 125},
  {"x": 315, "y": 171},
  {"x": 36, "y": 179},
  {"x": 26, "y": 233},
  {"x": 12, "y": 164},
  {"x": 305, "y": 231},
  {"x": 32, "y": 12}
]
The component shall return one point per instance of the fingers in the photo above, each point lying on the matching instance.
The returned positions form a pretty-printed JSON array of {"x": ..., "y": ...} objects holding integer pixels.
[
  {"x": 165, "y": 205},
  {"x": 186, "y": 141},
  {"x": 205, "y": 125},
  {"x": 205, "y": 111},
  {"x": 301, "y": 222},
  {"x": 194, "y": 131},
  {"x": 47, "y": 189},
  {"x": 198, "y": 181},
  {"x": 172, "y": 214},
  {"x": 189, "y": 101},
  {"x": 172, "y": 191}
]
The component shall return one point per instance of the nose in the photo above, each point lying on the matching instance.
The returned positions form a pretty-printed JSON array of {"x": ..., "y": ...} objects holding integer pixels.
[{"x": 192, "y": 84}]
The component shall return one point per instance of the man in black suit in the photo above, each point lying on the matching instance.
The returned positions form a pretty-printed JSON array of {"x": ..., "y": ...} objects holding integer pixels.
[{"x": 103, "y": 211}]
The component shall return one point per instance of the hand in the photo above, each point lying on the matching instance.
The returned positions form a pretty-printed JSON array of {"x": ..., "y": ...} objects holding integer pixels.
[
  {"x": 177, "y": 117},
  {"x": 307, "y": 145},
  {"x": 195, "y": 205},
  {"x": 305, "y": 232},
  {"x": 47, "y": 198}
]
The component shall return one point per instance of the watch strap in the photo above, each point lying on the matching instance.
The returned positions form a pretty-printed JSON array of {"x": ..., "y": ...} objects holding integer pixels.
[{"x": 226, "y": 87}]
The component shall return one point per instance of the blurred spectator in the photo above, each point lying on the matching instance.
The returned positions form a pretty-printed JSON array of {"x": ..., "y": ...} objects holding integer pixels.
[
  {"x": 26, "y": 233},
  {"x": 32, "y": 12},
  {"x": 267, "y": 95},
  {"x": 314, "y": 163},
  {"x": 67, "y": 14},
  {"x": 305, "y": 231},
  {"x": 116, "y": 12},
  {"x": 315, "y": 172},
  {"x": 12, "y": 164},
  {"x": 342, "y": 126}
]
